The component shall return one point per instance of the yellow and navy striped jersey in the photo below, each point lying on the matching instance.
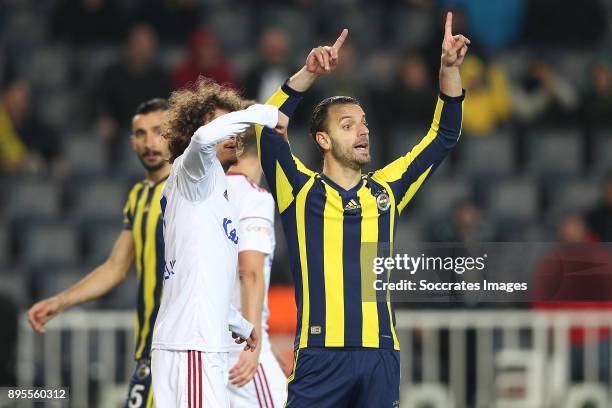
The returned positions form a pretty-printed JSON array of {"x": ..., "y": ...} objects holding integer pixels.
[
  {"x": 142, "y": 215},
  {"x": 328, "y": 227}
]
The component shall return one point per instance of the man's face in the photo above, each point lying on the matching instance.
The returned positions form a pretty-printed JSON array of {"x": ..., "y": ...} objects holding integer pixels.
[
  {"x": 226, "y": 151},
  {"x": 348, "y": 135},
  {"x": 151, "y": 148}
]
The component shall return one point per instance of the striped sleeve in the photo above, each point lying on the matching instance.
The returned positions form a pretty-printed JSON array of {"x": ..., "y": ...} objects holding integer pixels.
[
  {"x": 284, "y": 172},
  {"x": 408, "y": 173},
  {"x": 130, "y": 205},
  {"x": 127, "y": 216}
]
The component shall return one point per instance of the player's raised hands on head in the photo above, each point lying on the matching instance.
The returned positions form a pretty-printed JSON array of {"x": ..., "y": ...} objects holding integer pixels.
[
  {"x": 454, "y": 47},
  {"x": 324, "y": 59}
]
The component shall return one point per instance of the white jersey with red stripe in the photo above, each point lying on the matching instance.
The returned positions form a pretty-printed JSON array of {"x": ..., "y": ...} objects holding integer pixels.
[
  {"x": 255, "y": 210},
  {"x": 201, "y": 242}
]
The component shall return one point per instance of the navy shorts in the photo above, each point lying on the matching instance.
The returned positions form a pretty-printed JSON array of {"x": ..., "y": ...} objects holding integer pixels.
[
  {"x": 336, "y": 378},
  {"x": 140, "y": 393}
]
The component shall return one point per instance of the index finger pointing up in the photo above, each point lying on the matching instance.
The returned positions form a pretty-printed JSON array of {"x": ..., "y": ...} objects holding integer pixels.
[
  {"x": 448, "y": 27},
  {"x": 340, "y": 40}
]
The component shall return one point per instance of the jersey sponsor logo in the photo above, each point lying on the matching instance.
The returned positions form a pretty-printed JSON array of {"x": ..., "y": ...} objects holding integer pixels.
[
  {"x": 315, "y": 329},
  {"x": 352, "y": 205},
  {"x": 231, "y": 234},
  {"x": 169, "y": 269}
]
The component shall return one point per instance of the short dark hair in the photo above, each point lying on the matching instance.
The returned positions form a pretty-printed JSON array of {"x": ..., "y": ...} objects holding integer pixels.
[
  {"x": 318, "y": 120},
  {"x": 152, "y": 105}
]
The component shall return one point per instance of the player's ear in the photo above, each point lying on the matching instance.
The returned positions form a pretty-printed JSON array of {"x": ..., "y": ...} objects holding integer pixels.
[
  {"x": 133, "y": 141},
  {"x": 323, "y": 140}
]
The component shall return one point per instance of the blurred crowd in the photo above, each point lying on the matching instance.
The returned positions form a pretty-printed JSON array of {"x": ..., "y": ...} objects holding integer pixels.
[
  {"x": 536, "y": 145},
  {"x": 533, "y": 163}
]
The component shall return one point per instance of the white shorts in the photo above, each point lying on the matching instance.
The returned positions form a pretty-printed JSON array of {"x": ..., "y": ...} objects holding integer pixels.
[
  {"x": 267, "y": 389},
  {"x": 189, "y": 379}
]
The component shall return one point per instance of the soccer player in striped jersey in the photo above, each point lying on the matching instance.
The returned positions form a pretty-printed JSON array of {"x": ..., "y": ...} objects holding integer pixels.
[
  {"x": 256, "y": 379},
  {"x": 140, "y": 242},
  {"x": 347, "y": 350}
]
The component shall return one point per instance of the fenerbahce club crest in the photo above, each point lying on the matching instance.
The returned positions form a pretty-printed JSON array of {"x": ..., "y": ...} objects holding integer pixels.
[
  {"x": 382, "y": 200},
  {"x": 143, "y": 371}
]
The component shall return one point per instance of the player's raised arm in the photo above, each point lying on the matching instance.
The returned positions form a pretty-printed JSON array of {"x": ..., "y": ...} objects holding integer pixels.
[
  {"x": 199, "y": 158},
  {"x": 97, "y": 283},
  {"x": 274, "y": 150},
  {"x": 408, "y": 173},
  {"x": 200, "y": 154},
  {"x": 454, "y": 49},
  {"x": 321, "y": 60}
]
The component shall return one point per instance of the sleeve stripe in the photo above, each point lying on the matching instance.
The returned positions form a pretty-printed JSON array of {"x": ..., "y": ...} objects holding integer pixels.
[
  {"x": 414, "y": 187},
  {"x": 302, "y": 168},
  {"x": 395, "y": 170},
  {"x": 277, "y": 99},
  {"x": 284, "y": 190}
]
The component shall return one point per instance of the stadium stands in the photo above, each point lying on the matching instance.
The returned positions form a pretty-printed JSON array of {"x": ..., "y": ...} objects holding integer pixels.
[{"x": 72, "y": 217}]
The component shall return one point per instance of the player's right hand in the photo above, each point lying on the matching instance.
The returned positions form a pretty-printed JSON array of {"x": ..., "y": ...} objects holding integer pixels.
[
  {"x": 324, "y": 59},
  {"x": 42, "y": 312}
]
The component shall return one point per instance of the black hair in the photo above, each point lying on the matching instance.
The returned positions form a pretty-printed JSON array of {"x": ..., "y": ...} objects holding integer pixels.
[
  {"x": 318, "y": 120},
  {"x": 152, "y": 105}
]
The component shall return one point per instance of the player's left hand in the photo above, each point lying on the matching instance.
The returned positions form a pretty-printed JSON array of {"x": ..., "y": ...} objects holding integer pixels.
[
  {"x": 454, "y": 47},
  {"x": 282, "y": 125},
  {"x": 251, "y": 342},
  {"x": 245, "y": 369}
]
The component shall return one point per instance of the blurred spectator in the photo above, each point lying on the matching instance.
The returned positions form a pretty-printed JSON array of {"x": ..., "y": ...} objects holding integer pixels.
[
  {"x": 544, "y": 96},
  {"x": 349, "y": 80},
  {"x": 86, "y": 22},
  {"x": 495, "y": 24},
  {"x": 467, "y": 226},
  {"x": 12, "y": 150},
  {"x": 26, "y": 141},
  {"x": 598, "y": 99},
  {"x": 565, "y": 24},
  {"x": 173, "y": 20},
  {"x": 411, "y": 98},
  {"x": 599, "y": 219},
  {"x": 205, "y": 59},
  {"x": 488, "y": 102},
  {"x": 134, "y": 78},
  {"x": 560, "y": 283},
  {"x": 273, "y": 68}
]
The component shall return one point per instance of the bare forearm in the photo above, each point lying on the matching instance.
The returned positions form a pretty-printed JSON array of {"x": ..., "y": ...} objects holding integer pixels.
[
  {"x": 302, "y": 80},
  {"x": 251, "y": 296},
  {"x": 96, "y": 284},
  {"x": 450, "y": 81}
]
